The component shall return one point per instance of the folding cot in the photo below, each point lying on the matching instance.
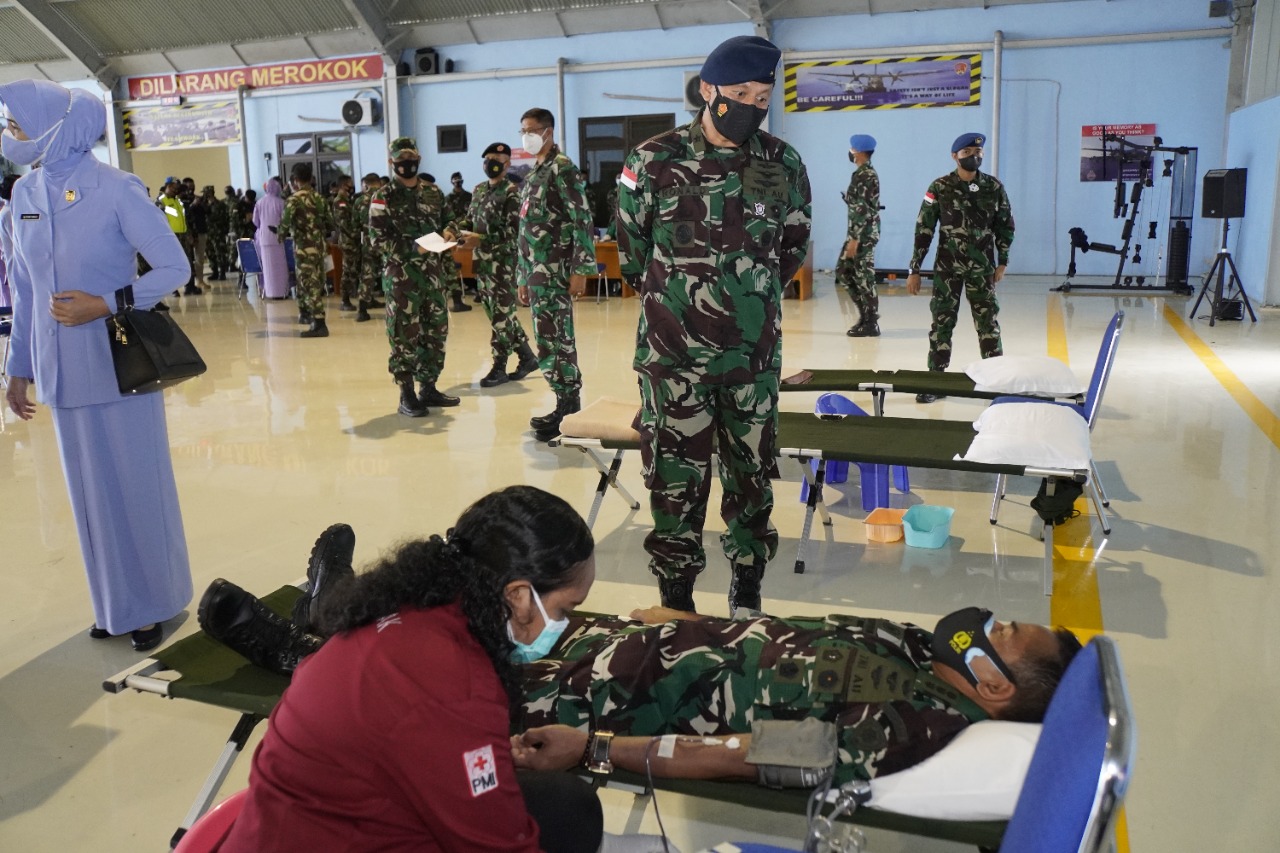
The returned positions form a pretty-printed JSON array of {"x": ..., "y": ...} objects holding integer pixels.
[
  {"x": 881, "y": 383},
  {"x": 915, "y": 442}
]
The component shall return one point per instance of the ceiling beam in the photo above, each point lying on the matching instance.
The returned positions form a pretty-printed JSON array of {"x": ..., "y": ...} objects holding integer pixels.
[
  {"x": 752, "y": 11},
  {"x": 370, "y": 22},
  {"x": 69, "y": 40}
]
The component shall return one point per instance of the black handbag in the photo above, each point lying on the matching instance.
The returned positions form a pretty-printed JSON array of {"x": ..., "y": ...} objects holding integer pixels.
[{"x": 149, "y": 349}]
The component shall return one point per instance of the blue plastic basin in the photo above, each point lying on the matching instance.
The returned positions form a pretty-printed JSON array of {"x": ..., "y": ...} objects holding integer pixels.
[{"x": 927, "y": 526}]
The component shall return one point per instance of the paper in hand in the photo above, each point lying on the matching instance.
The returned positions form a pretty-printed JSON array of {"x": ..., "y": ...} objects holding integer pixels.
[{"x": 433, "y": 242}]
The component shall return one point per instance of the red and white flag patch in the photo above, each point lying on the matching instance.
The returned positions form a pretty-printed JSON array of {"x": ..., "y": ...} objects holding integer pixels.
[
  {"x": 627, "y": 178},
  {"x": 482, "y": 772},
  {"x": 379, "y": 204},
  {"x": 929, "y": 199}
]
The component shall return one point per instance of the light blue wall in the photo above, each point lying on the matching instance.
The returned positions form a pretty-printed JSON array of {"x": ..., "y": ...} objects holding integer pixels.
[
  {"x": 1049, "y": 93},
  {"x": 1254, "y": 145}
]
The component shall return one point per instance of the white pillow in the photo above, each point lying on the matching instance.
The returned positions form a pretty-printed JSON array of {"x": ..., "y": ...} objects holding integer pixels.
[
  {"x": 1024, "y": 374},
  {"x": 977, "y": 776},
  {"x": 1039, "y": 435}
]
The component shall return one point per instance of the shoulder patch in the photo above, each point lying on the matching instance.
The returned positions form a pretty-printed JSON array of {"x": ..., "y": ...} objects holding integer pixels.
[
  {"x": 482, "y": 773},
  {"x": 627, "y": 178},
  {"x": 929, "y": 198}
]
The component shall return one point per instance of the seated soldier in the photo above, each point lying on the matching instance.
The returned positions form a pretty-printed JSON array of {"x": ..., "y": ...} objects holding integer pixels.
[{"x": 895, "y": 692}]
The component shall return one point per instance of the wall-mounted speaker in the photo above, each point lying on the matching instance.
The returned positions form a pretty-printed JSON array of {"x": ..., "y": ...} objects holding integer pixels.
[
  {"x": 426, "y": 61},
  {"x": 361, "y": 112},
  {"x": 692, "y": 92}
]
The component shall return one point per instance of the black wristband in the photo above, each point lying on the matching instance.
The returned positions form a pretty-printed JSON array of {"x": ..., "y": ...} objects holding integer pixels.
[{"x": 586, "y": 750}]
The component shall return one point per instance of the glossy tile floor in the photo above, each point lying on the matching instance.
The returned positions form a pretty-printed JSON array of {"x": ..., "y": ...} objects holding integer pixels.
[{"x": 284, "y": 436}]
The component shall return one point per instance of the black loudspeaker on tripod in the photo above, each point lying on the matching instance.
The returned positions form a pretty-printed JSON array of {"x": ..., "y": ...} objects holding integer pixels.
[{"x": 1224, "y": 199}]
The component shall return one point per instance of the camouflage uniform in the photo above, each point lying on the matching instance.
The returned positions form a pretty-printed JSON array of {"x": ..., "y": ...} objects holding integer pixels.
[
  {"x": 234, "y": 229},
  {"x": 709, "y": 235},
  {"x": 871, "y": 677},
  {"x": 417, "y": 322},
  {"x": 308, "y": 221},
  {"x": 349, "y": 230},
  {"x": 494, "y": 210},
  {"x": 218, "y": 244},
  {"x": 370, "y": 266},
  {"x": 976, "y": 224},
  {"x": 554, "y": 244},
  {"x": 858, "y": 274}
]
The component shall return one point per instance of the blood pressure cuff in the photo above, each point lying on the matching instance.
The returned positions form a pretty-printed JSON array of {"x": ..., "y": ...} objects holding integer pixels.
[{"x": 792, "y": 753}]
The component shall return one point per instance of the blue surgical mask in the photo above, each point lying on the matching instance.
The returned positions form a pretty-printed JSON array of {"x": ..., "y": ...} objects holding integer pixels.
[
  {"x": 24, "y": 152},
  {"x": 541, "y": 646}
]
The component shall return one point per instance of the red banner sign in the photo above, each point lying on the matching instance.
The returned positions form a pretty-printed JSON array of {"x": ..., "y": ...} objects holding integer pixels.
[{"x": 311, "y": 72}]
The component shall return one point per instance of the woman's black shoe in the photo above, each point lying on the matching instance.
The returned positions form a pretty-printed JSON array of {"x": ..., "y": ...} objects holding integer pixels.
[
  {"x": 146, "y": 639},
  {"x": 96, "y": 633}
]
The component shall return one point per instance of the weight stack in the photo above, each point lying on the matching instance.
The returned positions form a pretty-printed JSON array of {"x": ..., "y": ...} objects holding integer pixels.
[{"x": 1179, "y": 256}]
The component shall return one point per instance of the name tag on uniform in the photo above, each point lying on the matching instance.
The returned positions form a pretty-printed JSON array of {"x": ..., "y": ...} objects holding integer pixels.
[{"x": 30, "y": 216}]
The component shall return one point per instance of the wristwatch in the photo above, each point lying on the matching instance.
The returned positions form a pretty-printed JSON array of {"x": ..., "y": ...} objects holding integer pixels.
[{"x": 598, "y": 752}]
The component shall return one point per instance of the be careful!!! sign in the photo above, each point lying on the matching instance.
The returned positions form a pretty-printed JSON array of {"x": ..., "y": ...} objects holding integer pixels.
[{"x": 311, "y": 72}]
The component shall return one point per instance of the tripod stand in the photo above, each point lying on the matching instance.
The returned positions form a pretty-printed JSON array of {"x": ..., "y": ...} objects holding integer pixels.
[{"x": 1222, "y": 288}]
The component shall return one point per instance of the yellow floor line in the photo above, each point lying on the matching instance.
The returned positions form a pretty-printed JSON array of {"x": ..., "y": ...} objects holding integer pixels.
[
  {"x": 1247, "y": 400},
  {"x": 1076, "y": 602}
]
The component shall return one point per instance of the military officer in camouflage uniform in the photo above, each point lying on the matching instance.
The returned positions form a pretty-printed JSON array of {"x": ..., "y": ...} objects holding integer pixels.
[
  {"x": 417, "y": 321},
  {"x": 713, "y": 218},
  {"x": 556, "y": 254},
  {"x": 217, "y": 244},
  {"x": 856, "y": 270},
  {"x": 308, "y": 221},
  {"x": 896, "y": 692},
  {"x": 973, "y": 251},
  {"x": 369, "y": 284},
  {"x": 349, "y": 230},
  {"x": 492, "y": 215},
  {"x": 231, "y": 202}
]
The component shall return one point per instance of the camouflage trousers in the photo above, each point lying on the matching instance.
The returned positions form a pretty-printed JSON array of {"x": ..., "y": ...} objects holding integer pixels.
[
  {"x": 683, "y": 421},
  {"x": 450, "y": 274},
  {"x": 309, "y": 272},
  {"x": 945, "y": 307},
  {"x": 858, "y": 276},
  {"x": 553, "y": 331},
  {"x": 417, "y": 324},
  {"x": 495, "y": 282},
  {"x": 371, "y": 284},
  {"x": 351, "y": 266},
  {"x": 219, "y": 250}
]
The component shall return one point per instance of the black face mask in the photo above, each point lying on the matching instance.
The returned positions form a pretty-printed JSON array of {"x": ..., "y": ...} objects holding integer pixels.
[
  {"x": 493, "y": 168},
  {"x": 733, "y": 120},
  {"x": 962, "y": 636},
  {"x": 853, "y": 159},
  {"x": 970, "y": 163},
  {"x": 407, "y": 169}
]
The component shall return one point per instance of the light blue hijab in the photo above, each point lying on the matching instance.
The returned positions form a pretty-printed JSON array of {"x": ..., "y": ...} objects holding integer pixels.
[{"x": 39, "y": 106}]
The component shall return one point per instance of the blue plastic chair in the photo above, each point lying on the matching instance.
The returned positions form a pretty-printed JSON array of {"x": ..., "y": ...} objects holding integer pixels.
[{"x": 873, "y": 480}]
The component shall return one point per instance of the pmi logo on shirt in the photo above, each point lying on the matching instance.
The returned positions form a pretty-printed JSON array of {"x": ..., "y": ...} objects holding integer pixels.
[{"x": 481, "y": 770}]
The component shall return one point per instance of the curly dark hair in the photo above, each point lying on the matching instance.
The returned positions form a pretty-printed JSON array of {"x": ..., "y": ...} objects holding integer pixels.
[{"x": 517, "y": 533}]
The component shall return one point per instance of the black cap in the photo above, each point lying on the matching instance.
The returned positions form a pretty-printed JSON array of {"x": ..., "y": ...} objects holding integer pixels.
[
  {"x": 741, "y": 59},
  {"x": 497, "y": 148}
]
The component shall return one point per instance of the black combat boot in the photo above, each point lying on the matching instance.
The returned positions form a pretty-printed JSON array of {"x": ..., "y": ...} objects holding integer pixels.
[
  {"x": 677, "y": 593},
  {"x": 431, "y": 397},
  {"x": 549, "y": 427},
  {"x": 329, "y": 566},
  {"x": 867, "y": 328},
  {"x": 496, "y": 376},
  {"x": 304, "y": 318},
  {"x": 242, "y": 623},
  {"x": 409, "y": 405},
  {"x": 744, "y": 589},
  {"x": 319, "y": 329},
  {"x": 528, "y": 363},
  {"x": 346, "y": 305},
  {"x": 458, "y": 304},
  {"x": 373, "y": 303},
  {"x": 362, "y": 312}
]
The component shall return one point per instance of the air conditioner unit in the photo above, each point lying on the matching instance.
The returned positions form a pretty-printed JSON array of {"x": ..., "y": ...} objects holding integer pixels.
[
  {"x": 692, "y": 94},
  {"x": 361, "y": 112}
]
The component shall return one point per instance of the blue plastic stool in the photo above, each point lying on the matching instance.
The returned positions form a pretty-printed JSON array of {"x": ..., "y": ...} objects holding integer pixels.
[{"x": 873, "y": 480}]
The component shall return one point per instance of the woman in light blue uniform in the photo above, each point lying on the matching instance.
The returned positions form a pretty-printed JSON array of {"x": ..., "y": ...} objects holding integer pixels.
[{"x": 76, "y": 227}]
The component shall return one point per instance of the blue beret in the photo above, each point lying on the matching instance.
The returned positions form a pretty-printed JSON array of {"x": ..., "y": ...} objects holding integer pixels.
[
  {"x": 741, "y": 59},
  {"x": 863, "y": 143},
  {"x": 965, "y": 140}
]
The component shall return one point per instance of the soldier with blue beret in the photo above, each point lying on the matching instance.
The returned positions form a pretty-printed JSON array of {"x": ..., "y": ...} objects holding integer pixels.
[
  {"x": 856, "y": 269},
  {"x": 713, "y": 219},
  {"x": 973, "y": 250}
]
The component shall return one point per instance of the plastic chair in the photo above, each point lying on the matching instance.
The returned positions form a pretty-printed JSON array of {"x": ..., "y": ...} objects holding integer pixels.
[
  {"x": 208, "y": 833},
  {"x": 873, "y": 480},
  {"x": 250, "y": 264},
  {"x": 1080, "y": 769},
  {"x": 1088, "y": 410}
]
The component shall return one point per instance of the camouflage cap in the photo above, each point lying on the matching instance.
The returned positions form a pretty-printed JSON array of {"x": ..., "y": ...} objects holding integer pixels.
[{"x": 401, "y": 144}]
